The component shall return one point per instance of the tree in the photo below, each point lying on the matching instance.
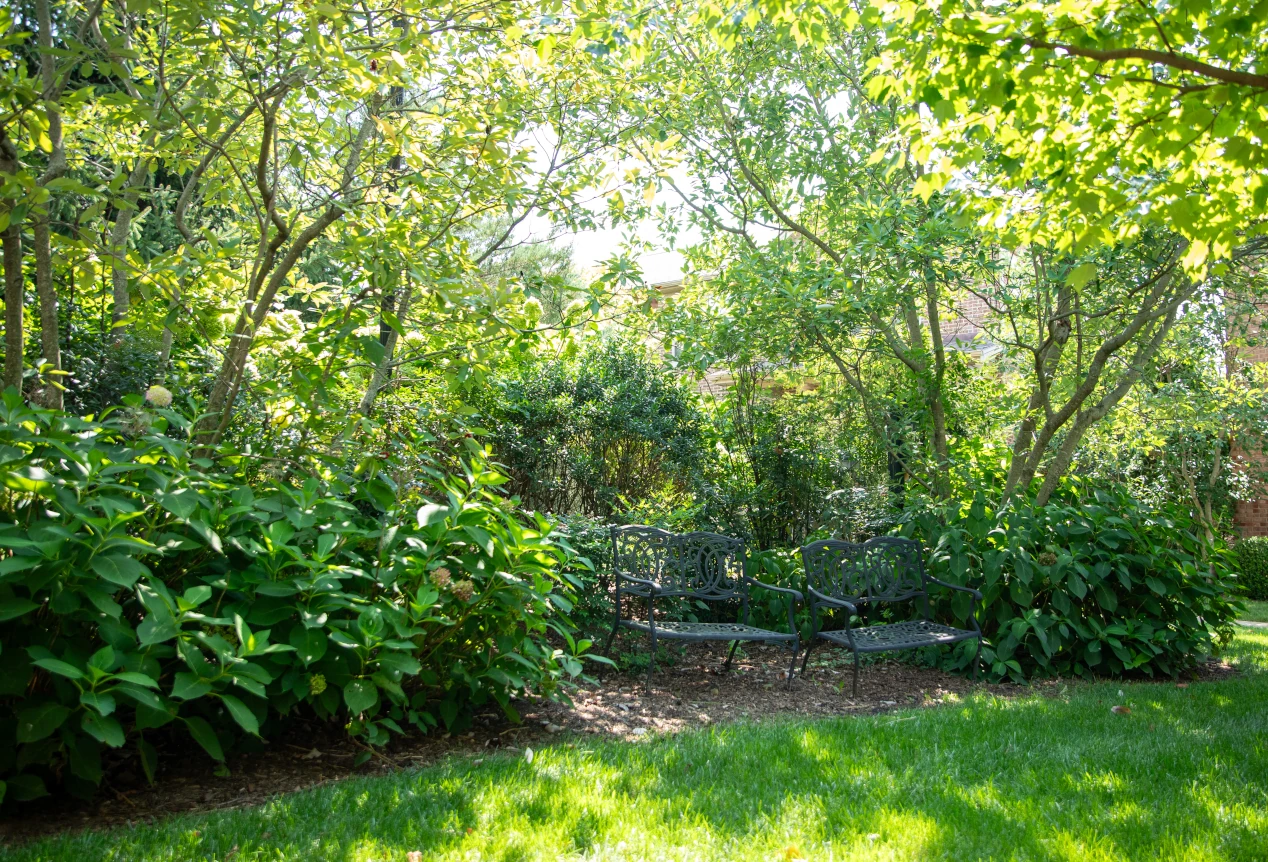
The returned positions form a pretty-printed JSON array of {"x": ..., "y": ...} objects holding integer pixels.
[{"x": 1100, "y": 118}]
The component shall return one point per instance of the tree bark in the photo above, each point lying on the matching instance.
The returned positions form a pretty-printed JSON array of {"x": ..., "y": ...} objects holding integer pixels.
[
  {"x": 50, "y": 335},
  {"x": 255, "y": 310},
  {"x": 934, "y": 395},
  {"x": 14, "y": 300},
  {"x": 383, "y": 370},
  {"x": 118, "y": 250},
  {"x": 45, "y": 289},
  {"x": 1085, "y": 419}
]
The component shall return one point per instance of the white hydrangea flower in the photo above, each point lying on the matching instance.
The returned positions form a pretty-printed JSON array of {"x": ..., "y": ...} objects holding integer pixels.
[{"x": 159, "y": 396}]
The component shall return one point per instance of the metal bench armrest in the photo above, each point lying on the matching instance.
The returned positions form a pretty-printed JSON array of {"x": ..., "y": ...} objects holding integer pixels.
[
  {"x": 821, "y": 599},
  {"x": 974, "y": 593},
  {"x": 652, "y": 585},
  {"x": 756, "y": 583}
]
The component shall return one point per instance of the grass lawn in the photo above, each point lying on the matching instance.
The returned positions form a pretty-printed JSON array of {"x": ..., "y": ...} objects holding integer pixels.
[
  {"x": 1184, "y": 776},
  {"x": 1256, "y": 612}
]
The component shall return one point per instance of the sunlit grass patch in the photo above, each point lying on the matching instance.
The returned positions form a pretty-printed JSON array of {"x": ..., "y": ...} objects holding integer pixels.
[{"x": 1184, "y": 775}]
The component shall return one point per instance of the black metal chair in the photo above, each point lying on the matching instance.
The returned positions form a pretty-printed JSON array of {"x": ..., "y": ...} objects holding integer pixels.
[
  {"x": 651, "y": 564},
  {"x": 847, "y": 576}
]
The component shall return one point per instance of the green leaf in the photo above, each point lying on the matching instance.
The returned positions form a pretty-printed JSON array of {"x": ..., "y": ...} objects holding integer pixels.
[
  {"x": 1156, "y": 585},
  {"x": 402, "y": 662},
  {"x": 150, "y": 716},
  {"x": 24, "y": 788},
  {"x": 13, "y": 608},
  {"x": 360, "y": 695},
  {"x": 102, "y": 659},
  {"x": 481, "y": 538},
  {"x": 202, "y": 733},
  {"x": 102, "y": 702},
  {"x": 59, "y": 667},
  {"x": 187, "y": 686},
  {"x": 197, "y": 595},
  {"x": 10, "y": 565},
  {"x": 118, "y": 569},
  {"x": 104, "y": 729},
  {"x": 39, "y": 721},
  {"x": 1081, "y": 275},
  {"x": 103, "y": 602},
  {"x": 182, "y": 503},
  {"x": 136, "y": 679},
  {"x": 432, "y": 514},
  {"x": 310, "y": 644},
  {"x": 241, "y": 714}
]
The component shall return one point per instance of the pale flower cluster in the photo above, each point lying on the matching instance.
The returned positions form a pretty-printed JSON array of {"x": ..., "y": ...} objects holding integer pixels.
[{"x": 159, "y": 396}]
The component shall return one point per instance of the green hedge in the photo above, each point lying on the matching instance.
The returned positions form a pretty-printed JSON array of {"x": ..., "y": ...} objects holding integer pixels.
[
  {"x": 1098, "y": 586},
  {"x": 1251, "y": 566},
  {"x": 144, "y": 591}
]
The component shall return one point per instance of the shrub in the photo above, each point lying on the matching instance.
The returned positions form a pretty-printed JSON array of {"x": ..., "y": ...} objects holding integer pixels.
[
  {"x": 142, "y": 588},
  {"x": 590, "y": 566},
  {"x": 1250, "y": 562},
  {"x": 1102, "y": 586},
  {"x": 597, "y": 432}
]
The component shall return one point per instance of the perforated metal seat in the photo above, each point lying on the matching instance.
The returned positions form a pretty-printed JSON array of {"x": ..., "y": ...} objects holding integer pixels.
[
  {"x": 709, "y": 631},
  {"x": 908, "y": 634}
]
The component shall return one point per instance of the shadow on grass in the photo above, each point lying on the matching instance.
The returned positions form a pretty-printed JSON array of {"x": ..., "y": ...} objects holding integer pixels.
[{"x": 1183, "y": 776}]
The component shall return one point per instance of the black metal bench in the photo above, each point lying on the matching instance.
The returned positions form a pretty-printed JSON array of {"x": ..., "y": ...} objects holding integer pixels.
[
  {"x": 885, "y": 569},
  {"x": 651, "y": 564}
]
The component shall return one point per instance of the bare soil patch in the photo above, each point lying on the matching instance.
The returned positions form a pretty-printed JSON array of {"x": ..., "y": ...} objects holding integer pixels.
[{"x": 693, "y": 692}]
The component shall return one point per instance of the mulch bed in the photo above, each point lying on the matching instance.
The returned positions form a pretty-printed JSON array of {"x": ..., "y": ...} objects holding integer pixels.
[{"x": 691, "y": 693}]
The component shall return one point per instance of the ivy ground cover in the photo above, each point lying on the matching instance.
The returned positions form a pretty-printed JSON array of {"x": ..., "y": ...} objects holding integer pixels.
[{"x": 1182, "y": 776}]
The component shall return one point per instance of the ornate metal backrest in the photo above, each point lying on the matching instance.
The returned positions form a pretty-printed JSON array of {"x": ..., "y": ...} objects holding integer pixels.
[
  {"x": 703, "y": 565},
  {"x": 643, "y": 552},
  {"x": 885, "y": 568},
  {"x": 710, "y": 566}
]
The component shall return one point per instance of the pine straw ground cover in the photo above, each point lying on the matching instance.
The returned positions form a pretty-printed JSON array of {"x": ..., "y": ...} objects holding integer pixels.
[{"x": 1180, "y": 774}]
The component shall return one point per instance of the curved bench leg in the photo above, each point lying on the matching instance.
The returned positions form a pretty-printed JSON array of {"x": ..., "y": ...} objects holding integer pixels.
[
  {"x": 730, "y": 655},
  {"x": 856, "y": 674},
  {"x": 651, "y": 662},
  {"x": 792, "y": 666},
  {"x": 608, "y": 646},
  {"x": 806, "y": 660},
  {"x": 977, "y": 660}
]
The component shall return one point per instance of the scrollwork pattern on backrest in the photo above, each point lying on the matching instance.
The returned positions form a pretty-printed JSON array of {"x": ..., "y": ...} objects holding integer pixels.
[
  {"x": 885, "y": 568},
  {"x": 705, "y": 565},
  {"x": 644, "y": 552},
  {"x": 710, "y": 566}
]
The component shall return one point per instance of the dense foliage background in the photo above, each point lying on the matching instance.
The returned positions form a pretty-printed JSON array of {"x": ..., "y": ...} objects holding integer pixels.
[{"x": 310, "y": 415}]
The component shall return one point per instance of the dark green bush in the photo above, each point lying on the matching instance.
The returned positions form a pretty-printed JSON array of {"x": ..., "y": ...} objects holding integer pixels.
[
  {"x": 595, "y": 433},
  {"x": 140, "y": 588},
  {"x": 1100, "y": 586},
  {"x": 1250, "y": 563},
  {"x": 590, "y": 566}
]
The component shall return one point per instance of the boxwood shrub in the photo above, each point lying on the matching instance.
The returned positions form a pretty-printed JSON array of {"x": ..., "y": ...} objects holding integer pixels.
[{"x": 1250, "y": 563}]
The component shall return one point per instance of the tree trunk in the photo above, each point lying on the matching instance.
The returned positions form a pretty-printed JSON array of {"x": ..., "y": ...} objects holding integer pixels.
[
  {"x": 14, "y": 299},
  {"x": 50, "y": 336},
  {"x": 118, "y": 250},
  {"x": 44, "y": 287},
  {"x": 272, "y": 273},
  {"x": 933, "y": 393},
  {"x": 383, "y": 370}
]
